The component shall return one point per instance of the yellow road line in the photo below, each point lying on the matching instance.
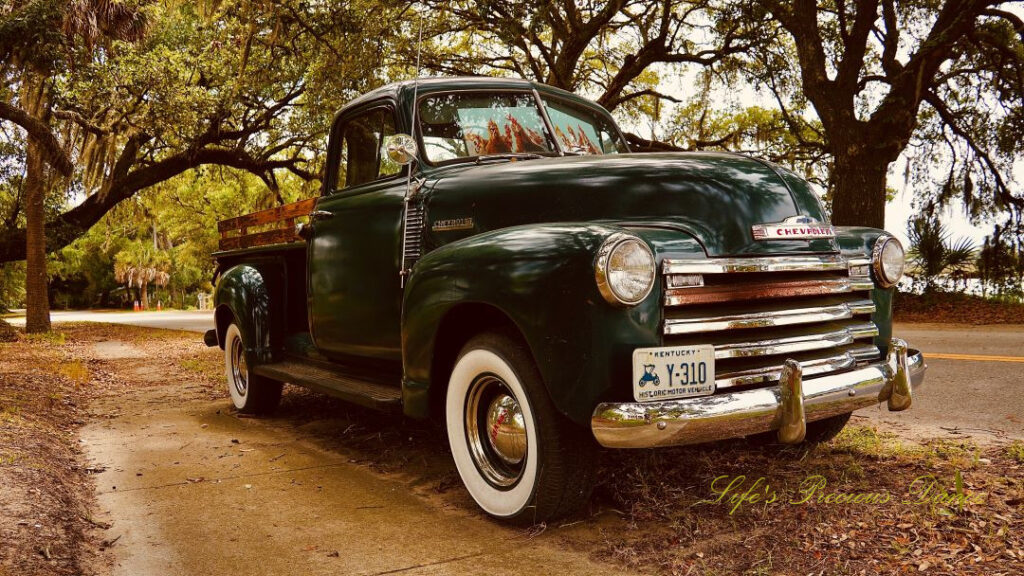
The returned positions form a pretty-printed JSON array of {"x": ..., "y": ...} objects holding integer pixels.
[{"x": 978, "y": 357}]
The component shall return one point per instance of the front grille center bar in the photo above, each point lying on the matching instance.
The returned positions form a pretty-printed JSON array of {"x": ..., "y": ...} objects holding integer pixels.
[{"x": 782, "y": 317}]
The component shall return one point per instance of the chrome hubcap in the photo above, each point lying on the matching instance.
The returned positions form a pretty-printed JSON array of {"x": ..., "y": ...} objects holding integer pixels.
[
  {"x": 506, "y": 432},
  {"x": 239, "y": 370},
  {"x": 496, "y": 431}
]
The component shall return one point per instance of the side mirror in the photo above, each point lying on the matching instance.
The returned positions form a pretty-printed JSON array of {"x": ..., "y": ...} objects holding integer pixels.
[{"x": 401, "y": 148}]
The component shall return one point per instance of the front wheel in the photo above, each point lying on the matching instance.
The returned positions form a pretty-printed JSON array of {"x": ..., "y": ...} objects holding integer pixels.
[
  {"x": 519, "y": 457},
  {"x": 250, "y": 393}
]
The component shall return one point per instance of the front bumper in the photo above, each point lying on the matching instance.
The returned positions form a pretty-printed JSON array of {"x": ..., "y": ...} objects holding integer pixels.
[{"x": 786, "y": 408}]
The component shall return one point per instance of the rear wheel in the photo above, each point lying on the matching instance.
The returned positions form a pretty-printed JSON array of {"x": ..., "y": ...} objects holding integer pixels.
[
  {"x": 519, "y": 458},
  {"x": 250, "y": 393}
]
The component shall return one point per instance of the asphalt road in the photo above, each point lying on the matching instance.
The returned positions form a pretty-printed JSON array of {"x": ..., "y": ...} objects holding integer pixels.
[
  {"x": 189, "y": 320},
  {"x": 973, "y": 386}
]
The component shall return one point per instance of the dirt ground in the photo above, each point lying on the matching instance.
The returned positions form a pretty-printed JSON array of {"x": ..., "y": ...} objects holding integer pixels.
[{"x": 184, "y": 470}]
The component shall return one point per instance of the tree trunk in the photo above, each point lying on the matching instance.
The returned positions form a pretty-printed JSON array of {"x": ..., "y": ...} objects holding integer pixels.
[
  {"x": 858, "y": 197},
  {"x": 144, "y": 297},
  {"x": 37, "y": 302}
]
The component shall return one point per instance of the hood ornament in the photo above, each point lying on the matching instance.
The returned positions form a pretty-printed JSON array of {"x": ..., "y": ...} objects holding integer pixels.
[{"x": 793, "y": 228}]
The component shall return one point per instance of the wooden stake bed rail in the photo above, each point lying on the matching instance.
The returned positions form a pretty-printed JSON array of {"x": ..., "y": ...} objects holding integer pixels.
[{"x": 277, "y": 226}]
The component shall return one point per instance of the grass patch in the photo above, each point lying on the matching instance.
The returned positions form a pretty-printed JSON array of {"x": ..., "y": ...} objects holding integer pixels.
[
  {"x": 52, "y": 337},
  {"x": 868, "y": 441},
  {"x": 1016, "y": 451},
  {"x": 194, "y": 365},
  {"x": 75, "y": 371}
]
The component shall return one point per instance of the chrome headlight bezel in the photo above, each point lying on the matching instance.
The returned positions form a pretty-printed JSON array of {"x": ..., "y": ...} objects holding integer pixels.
[
  {"x": 605, "y": 282},
  {"x": 882, "y": 277}
]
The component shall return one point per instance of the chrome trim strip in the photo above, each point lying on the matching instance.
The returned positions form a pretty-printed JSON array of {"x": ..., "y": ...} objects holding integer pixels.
[
  {"x": 731, "y": 415},
  {"x": 542, "y": 106},
  {"x": 768, "y": 264},
  {"x": 793, "y": 344},
  {"x": 786, "y": 317},
  {"x": 726, "y": 293},
  {"x": 763, "y": 374}
]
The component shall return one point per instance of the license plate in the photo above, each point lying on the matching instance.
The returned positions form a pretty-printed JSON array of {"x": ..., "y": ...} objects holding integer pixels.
[{"x": 673, "y": 372}]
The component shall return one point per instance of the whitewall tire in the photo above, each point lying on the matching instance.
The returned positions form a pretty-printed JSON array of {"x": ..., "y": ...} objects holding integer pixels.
[
  {"x": 250, "y": 393},
  {"x": 517, "y": 456}
]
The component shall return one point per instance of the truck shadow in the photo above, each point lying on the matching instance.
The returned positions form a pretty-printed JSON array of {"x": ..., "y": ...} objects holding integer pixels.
[{"x": 633, "y": 484}]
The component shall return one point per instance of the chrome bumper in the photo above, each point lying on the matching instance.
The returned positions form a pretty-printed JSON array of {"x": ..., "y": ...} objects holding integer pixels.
[{"x": 786, "y": 408}]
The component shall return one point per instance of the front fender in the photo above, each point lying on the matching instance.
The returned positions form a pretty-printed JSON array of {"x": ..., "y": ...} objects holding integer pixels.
[
  {"x": 245, "y": 291},
  {"x": 541, "y": 277}
]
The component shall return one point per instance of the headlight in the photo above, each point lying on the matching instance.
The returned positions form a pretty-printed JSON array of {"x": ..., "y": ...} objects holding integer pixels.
[
  {"x": 625, "y": 270},
  {"x": 888, "y": 260}
]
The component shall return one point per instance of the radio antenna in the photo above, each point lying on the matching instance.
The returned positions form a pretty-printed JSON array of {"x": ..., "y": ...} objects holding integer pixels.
[{"x": 416, "y": 82}]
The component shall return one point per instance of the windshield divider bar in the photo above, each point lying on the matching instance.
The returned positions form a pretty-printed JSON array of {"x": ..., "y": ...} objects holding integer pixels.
[{"x": 547, "y": 121}]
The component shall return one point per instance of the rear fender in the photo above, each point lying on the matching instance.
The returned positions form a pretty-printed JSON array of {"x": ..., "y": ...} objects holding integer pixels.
[{"x": 245, "y": 291}]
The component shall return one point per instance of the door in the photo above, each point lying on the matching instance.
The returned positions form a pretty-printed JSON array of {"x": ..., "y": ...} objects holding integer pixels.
[{"x": 355, "y": 293}]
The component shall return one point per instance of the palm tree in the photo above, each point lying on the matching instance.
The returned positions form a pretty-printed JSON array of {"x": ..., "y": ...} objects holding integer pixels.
[
  {"x": 934, "y": 253},
  {"x": 139, "y": 266},
  {"x": 84, "y": 23}
]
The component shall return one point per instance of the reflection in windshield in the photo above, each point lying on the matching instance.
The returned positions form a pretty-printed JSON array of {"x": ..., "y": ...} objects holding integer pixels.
[
  {"x": 467, "y": 125},
  {"x": 581, "y": 131}
]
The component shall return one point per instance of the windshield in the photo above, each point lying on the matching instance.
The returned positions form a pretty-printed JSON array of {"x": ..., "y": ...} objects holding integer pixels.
[
  {"x": 583, "y": 131},
  {"x": 466, "y": 125}
]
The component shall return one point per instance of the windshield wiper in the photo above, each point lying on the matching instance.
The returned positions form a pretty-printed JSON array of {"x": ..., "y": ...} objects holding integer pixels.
[{"x": 509, "y": 156}]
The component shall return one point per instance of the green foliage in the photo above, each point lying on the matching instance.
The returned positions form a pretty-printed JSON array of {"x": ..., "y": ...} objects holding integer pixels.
[
  {"x": 12, "y": 285},
  {"x": 703, "y": 124},
  {"x": 934, "y": 254},
  {"x": 1001, "y": 262}
]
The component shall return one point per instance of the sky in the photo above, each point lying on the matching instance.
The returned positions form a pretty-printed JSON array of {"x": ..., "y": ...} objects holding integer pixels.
[{"x": 898, "y": 211}]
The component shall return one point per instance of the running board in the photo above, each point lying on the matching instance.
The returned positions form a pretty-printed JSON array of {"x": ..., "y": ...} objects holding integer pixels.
[{"x": 350, "y": 389}]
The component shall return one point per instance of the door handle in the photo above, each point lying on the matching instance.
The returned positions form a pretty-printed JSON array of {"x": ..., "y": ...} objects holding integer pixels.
[{"x": 320, "y": 215}]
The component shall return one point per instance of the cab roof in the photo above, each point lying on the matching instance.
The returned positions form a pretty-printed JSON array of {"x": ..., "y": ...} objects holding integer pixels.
[{"x": 402, "y": 92}]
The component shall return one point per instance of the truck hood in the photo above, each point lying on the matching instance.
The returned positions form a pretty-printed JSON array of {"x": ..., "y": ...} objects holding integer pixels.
[{"x": 715, "y": 197}]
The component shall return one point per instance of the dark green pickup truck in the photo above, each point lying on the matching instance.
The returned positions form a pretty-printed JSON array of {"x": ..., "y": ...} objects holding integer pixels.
[{"x": 488, "y": 252}]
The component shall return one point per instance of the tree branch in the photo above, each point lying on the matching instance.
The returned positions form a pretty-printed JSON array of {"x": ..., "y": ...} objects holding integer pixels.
[
  {"x": 947, "y": 116},
  {"x": 40, "y": 132}
]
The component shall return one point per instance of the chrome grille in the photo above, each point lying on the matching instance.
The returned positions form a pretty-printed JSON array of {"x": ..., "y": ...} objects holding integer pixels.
[{"x": 757, "y": 312}]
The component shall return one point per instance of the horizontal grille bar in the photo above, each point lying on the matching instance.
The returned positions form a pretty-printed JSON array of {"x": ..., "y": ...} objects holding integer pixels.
[
  {"x": 794, "y": 344},
  {"x": 815, "y": 287},
  {"x": 769, "y": 318},
  {"x": 765, "y": 374},
  {"x": 776, "y": 264}
]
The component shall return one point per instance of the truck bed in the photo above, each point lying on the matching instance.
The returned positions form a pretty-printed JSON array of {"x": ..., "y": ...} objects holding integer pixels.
[
  {"x": 269, "y": 236},
  {"x": 264, "y": 228}
]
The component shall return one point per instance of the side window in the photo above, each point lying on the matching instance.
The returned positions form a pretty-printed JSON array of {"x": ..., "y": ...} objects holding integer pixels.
[{"x": 363, "y": 158}]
